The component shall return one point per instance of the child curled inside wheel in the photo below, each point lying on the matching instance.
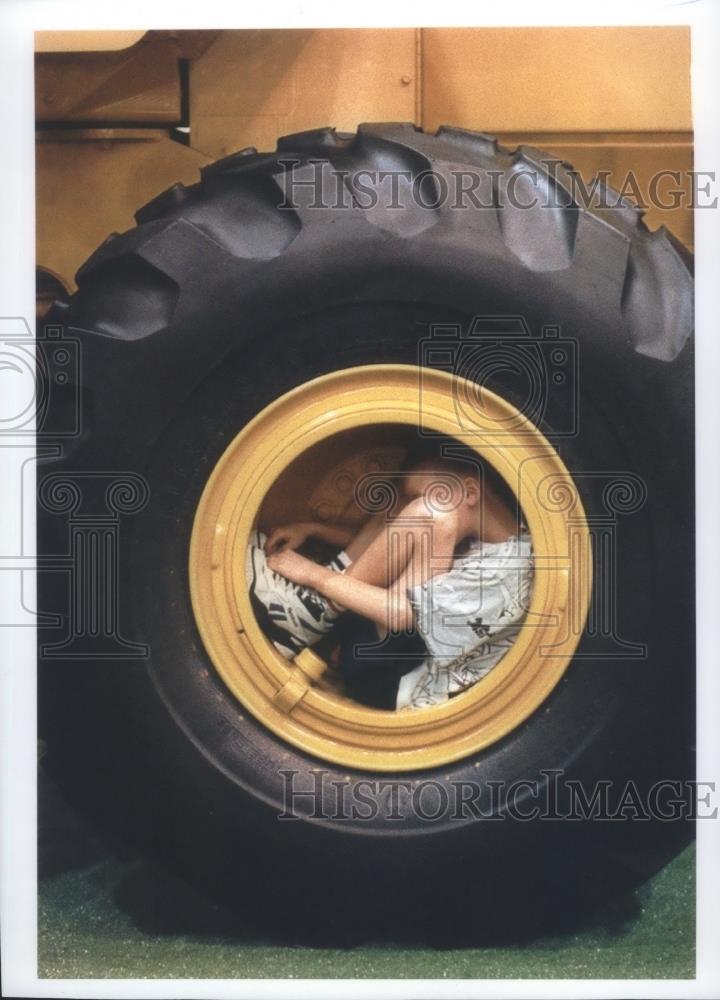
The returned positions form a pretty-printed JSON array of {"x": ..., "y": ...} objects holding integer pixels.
[{"x": 423, "y": 599}]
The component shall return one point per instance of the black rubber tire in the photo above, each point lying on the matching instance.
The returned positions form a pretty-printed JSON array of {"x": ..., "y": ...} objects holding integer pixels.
[{"x": 217, "y": 303}]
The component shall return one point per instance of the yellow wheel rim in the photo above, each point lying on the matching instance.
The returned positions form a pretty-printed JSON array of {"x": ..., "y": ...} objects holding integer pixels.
[{"x": 284, "y": 696}]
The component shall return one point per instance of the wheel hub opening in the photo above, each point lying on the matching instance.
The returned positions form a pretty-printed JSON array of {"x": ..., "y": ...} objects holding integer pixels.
[{"x": 308, "y": 457}]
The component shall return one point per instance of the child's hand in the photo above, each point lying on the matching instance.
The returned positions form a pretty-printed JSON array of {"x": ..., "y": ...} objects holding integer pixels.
[
  {"x": 295, "y": 567},
  {"x": 290, "y": 536}
]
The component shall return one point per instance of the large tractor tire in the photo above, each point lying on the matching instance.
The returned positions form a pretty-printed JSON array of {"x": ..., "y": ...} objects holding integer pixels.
[{"x": 272, "y": 275}]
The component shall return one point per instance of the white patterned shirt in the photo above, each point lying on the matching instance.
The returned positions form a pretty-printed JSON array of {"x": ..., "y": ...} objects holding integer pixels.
[{"x": 469, "y": 618}]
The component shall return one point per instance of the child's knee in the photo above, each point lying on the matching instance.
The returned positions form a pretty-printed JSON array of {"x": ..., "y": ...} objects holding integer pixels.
[
  {"x": 413, "y": 509},
  {"x": 442, "y": 526},
  {"x": 445, "y": 525}
]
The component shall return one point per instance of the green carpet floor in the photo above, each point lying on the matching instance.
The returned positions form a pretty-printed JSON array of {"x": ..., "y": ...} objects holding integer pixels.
[{"x": 108, "y": 919}]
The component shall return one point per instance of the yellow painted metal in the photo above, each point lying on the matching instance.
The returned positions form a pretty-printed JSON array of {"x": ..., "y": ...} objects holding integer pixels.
[
  {"x": 85, "y": 41},
  {"x": 139, "y": 85},
  {"x": 284, "y": 696},
  {"x": 569, "y": 79},
  {"x": 249, "y": 87}
]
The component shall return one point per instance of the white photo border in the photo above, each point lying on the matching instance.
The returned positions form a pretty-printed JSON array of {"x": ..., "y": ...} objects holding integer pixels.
[{"x": 18, "y": 910}]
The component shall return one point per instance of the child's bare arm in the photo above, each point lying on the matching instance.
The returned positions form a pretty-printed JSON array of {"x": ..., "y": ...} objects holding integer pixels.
[{"x": 292, "y": 536}]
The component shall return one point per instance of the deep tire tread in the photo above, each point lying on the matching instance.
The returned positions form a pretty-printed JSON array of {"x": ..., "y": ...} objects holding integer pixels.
[{"x": 535, "y": 240}]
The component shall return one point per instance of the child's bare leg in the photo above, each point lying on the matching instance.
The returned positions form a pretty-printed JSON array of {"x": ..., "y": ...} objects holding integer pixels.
[
  {"x": 366, "y": 535},
  {"x": 416, "y": 545},
  {"x": 369, "y": 531},
  {"x": 415, "y": 542}
]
